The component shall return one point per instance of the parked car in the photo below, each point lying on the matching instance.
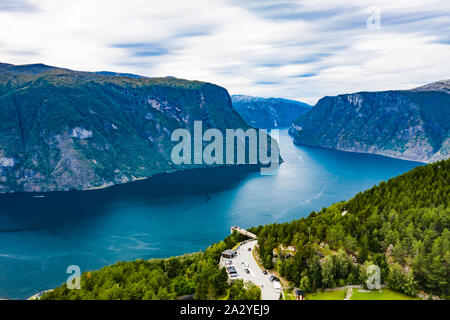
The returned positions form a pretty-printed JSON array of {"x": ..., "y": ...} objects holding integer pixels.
[
  {"x": 265, "y": 272},
  {"x": 277, "y": 286},
  {"x": 249, "y": 249},
  {"x": 247, "y": 271},
  {"x": 231, "y": 270}
]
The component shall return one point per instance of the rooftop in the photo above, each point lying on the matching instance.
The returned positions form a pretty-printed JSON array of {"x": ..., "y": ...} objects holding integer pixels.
[{"x": 229, "y": 252}]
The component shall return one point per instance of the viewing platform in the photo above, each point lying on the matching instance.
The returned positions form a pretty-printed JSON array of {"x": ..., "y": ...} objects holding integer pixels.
[{"x": 243, "y": 231}]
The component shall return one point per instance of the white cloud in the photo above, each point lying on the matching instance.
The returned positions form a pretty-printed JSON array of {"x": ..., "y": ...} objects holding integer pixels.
[{"x": 293, "y": 49}]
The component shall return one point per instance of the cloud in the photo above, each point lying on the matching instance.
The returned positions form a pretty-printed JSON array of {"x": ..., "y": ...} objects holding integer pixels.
[
  {"x": 293, "y": 49},
  {"x": 143, "y": 49},
  {"x": 292, "y": 10},
  {"x": 264, "y": 83},
  {"x": 305, "y": 75},
  {"x": 16, "y": 6}
]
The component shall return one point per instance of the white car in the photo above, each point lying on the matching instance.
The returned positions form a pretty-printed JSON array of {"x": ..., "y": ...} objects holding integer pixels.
[{"x": 277, "y": 286}]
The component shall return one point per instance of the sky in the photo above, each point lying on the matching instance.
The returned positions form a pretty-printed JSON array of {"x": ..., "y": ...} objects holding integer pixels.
[{"x": 301, "y": 50}]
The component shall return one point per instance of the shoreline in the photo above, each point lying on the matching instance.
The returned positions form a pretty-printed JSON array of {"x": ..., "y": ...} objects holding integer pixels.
[
  {"x": 249, "y": 167},
  {"x": 38, "y": 295},
  {"x": 366, "y": 152}
]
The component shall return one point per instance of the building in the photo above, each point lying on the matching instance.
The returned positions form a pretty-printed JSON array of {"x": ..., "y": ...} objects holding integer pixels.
[{"x": 229, "y": 254}]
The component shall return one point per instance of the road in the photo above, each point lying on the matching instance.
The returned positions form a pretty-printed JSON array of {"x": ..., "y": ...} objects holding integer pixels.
[{"x": 256, "y": 273}]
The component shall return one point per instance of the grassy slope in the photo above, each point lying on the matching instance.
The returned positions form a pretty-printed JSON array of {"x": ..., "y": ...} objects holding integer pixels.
[
  {"x": 329, "y": 295},
  {"x": 384, "y": 294}
]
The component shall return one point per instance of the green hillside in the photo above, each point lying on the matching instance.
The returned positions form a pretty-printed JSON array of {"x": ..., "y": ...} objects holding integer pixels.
[
  {"x": 401, "y": 225},
  {"x": 194, "y": 274},
  {"x": 64, "y": 129}
]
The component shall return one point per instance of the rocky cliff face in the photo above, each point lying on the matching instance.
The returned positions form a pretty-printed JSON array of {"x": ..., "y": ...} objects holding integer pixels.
[
  {"x": 268, "y": 113},
  {"x": 408, "y": 124},
  {"x": 62, "y": 129}
]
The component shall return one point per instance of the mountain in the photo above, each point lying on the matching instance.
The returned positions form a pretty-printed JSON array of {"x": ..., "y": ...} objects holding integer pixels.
[
  {"x": 62, "y": 129},
  {"x": 401, "y": 226},
  {"x": 266, "y": 113},
  {"x": 442, "y": 86},
  {"x": 406, "y": 124}
]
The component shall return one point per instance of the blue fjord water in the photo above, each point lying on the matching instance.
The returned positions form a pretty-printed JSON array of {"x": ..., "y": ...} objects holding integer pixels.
[{"x": 170, "y": 214}]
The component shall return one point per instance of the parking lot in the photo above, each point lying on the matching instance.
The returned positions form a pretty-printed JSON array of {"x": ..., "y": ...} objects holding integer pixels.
[{"x": 245, "y": 260}]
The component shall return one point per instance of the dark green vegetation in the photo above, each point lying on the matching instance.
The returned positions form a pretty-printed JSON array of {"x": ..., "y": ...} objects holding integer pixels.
[
  {"x": 408, "y": 124},
  {"x": 268, "y": 113},
  {"x": 401, "y": 225},
  {"x": 195, "y": 274},
  {"x": 63, "y": 129}
]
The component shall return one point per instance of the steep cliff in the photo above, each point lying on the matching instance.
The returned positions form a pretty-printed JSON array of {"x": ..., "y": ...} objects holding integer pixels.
[
  {"x": 63, "y": 129},
  {"x": 406, "y": 124}
]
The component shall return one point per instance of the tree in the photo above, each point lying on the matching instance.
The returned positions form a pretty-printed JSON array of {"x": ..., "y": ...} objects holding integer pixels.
[
  {"x": 305, "y": 285},
  {"x": 398, "y": 252},
  {"x": 241, "y": 291},
  {"x": 396, "y": 279},
  {"x": 350, "y": 243},
  {"x": 328, "y": 271},
  {"x": 410, "y": 287},
  {"x": 363, "y": 251},
  {"x": 315, "y": 273}
]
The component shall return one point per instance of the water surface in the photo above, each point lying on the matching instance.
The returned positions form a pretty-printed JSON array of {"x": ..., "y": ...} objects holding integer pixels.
[{"x": 170, "y": 214}]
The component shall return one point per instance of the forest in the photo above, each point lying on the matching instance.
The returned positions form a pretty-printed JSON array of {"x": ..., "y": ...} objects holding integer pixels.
[
  {"x": 401, "y": 225},
  {"x": 197, "y": 275}
]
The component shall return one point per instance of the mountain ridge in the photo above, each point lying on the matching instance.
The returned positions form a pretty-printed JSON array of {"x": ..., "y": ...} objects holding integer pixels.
[
  {"x": 405, "y": 124},
  {"x": 65, "y": 130}
]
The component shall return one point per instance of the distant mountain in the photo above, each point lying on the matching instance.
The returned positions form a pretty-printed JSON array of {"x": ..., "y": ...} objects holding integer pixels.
[
  {"x": 406, "y": 124},
  {"x": 63, "y": 129},
  {"x": 268, "y": 112},
  {"x": 442, "y": 86}
]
